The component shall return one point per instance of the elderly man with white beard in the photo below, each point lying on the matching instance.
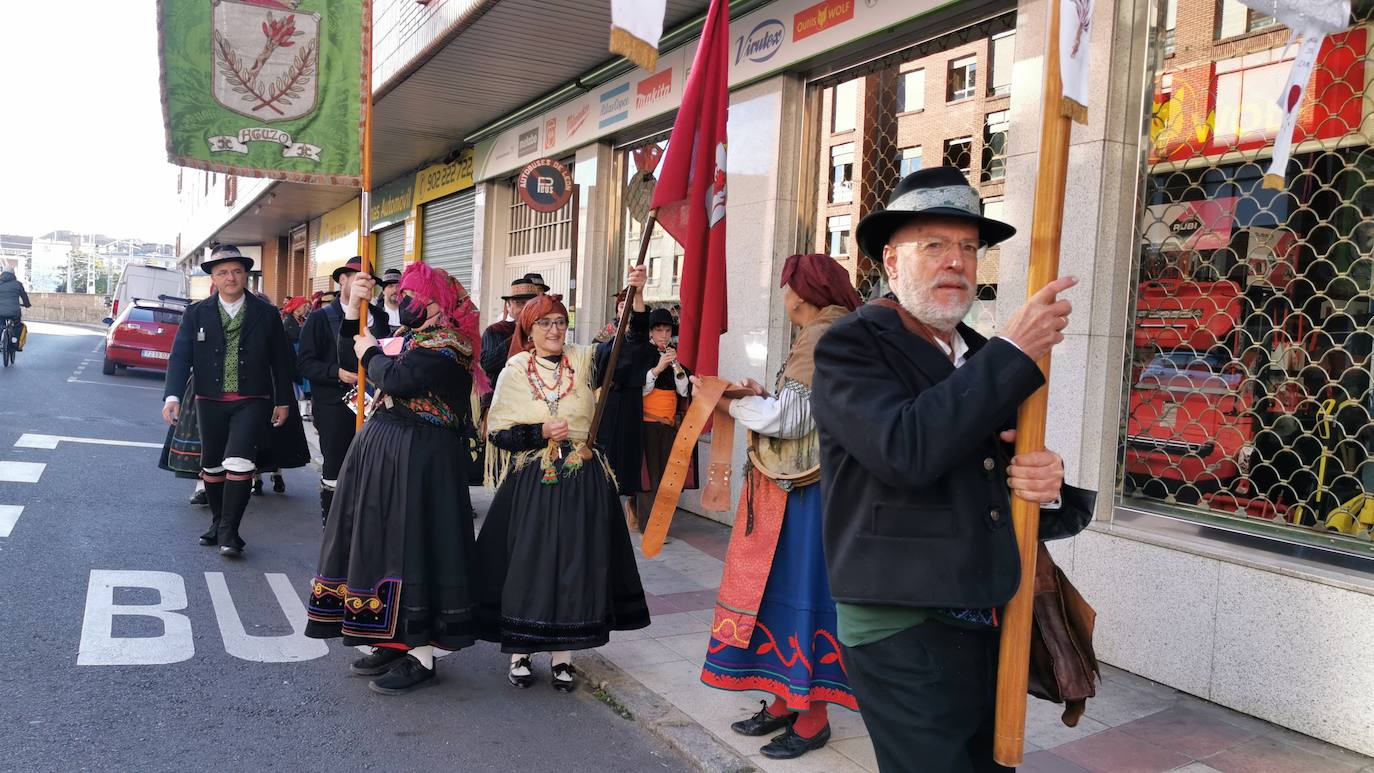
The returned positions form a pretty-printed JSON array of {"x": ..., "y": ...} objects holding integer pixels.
[{"x": 916, "y": 414}]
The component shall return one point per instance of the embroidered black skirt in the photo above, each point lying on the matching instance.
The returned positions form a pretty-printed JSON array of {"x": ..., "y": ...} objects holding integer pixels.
[
  {"x": 558, "y": 570},
  {"x": 397, "y": 565}
]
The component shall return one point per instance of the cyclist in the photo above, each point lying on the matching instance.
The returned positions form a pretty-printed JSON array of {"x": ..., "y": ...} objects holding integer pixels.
[{"x": 12, "y": 298}]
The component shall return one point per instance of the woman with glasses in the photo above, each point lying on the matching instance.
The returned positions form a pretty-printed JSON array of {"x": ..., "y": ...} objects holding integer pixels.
[
  {"x": 397, "y": 569},
  {"x": 558, "y": 570}
]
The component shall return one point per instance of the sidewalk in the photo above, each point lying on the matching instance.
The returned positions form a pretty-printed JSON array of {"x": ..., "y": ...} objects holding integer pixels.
[{"x": 1132, "y": 725}]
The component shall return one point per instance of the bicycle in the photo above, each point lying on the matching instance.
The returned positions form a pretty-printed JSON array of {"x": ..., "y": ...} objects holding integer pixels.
[{"x": 7, "y": 345}]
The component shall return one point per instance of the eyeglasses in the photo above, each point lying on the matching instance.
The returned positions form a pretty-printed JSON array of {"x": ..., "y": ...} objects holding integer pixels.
[
  {"x": 545, "y": 324},
  {"x": 939, "y": 247}
]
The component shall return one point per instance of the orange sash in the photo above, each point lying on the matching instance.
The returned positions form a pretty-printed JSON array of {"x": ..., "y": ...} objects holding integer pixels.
[{"x": 660, "y": 406}]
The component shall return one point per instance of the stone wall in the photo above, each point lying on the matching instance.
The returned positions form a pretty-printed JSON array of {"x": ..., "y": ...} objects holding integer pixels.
[{"x": 67, "y": 307}]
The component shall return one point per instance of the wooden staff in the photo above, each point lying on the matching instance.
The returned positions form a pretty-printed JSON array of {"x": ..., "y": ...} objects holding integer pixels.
[
  {"x": 1014, "y": 658},
  {"x": 649, "y": 223},
  {"x": 365, "y": 216}
]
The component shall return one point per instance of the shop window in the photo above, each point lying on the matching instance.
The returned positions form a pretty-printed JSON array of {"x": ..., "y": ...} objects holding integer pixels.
[
  {"x": 844, "y": 106},
  {"x": 910, "y": 161},
  {"x": 641, "y": 167},
  {"x": 838, "y": 228},
  {"x": 1249, "y": 397},
  {"x": 911, "y": 91},
  {"x": 1003, "y": 57},
  {"x": 1234, "y": 19},
  {"x": 842, "y": 173},
  {"x": 962, "y": 81},
  {"x": 959, "y": 153},
  {"x": 995, "y": 146}
]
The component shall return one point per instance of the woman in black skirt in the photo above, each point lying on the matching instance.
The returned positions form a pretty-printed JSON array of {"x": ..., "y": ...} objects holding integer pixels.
[
  {"x": 558, "y": 571},
  {"x": 397, "y": 569}
]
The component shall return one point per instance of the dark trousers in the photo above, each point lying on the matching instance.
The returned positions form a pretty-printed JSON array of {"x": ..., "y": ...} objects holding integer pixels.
[
  {"x": 928, "y": 696},
  {"x": 229, "y": 429},
  {"x": 336, "y": 425}
]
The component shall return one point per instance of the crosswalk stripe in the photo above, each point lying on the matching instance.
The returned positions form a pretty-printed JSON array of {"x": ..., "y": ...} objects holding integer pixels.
[
  {"x": 9, "y": 515},
  {"x": 21, "y": 472}
]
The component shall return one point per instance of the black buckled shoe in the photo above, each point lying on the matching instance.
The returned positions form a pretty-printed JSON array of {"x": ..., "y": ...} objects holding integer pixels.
[
  {"x": 789, "y": 745},
  {"x": 763, "y": 723},
  {"x": 520, "y": 680},
  {"x": 405, "y": 676},
  {"x": 564, "y": 677},
  {"x": 379, "y": 662}
]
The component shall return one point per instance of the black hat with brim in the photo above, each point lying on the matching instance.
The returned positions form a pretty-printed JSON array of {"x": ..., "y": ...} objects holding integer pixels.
[
  {"x": 226, "y": 253},
  {"x": 525, "y": 288},
  {"x": 353, "y": 266},
  {"x": 390, "y": 277},
  {"x": 661, "y": 317},
  {"x": 940, "y": 191}
]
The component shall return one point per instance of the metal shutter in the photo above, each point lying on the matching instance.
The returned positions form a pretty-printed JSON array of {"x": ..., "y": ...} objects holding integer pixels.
[
  {"x": 391, "y": 247},
  {"x": 446, "y": 234}
]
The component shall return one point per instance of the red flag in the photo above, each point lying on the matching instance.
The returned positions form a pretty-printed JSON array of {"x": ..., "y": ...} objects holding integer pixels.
[{"x": 690, "y": 196}]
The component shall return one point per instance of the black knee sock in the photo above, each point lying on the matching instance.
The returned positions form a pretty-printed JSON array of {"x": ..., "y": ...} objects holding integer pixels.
[
  {"x": 236, "y": 496},
  {"x": 214, "y": 497}
]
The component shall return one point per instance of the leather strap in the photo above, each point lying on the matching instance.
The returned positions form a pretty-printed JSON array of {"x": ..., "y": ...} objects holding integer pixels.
[{"x": 706, "y": 407}]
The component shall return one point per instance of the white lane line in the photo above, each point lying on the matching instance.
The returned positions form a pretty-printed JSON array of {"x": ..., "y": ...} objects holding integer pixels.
[
  {"x": 9, "y": 515},
  {"x": 30, "y": 440},
  {"x": 111, "y": 383},
  {"x": 22, "y": 472}
]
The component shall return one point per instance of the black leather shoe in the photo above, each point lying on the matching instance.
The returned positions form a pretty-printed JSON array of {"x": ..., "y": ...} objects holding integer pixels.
[
  {"x": 380, "y": 661},
  {"x": 521, "y": 681},
  {"x": 207, "y": 540},
  {"x": 405, "y": 676},
  {"x": 278, "y": 484},
  {"x": 564, "y": 677},
  {"x": 789, "y": 745},
  {"x": 199, "y": 499},
  {"x": 229, "y": 551},
  {"x": 763, "y": 723},
  {"x": 257, "y": 487}
]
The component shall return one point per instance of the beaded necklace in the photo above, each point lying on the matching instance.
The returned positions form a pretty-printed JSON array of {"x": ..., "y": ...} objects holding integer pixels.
[{"x": 552, "y": 395}]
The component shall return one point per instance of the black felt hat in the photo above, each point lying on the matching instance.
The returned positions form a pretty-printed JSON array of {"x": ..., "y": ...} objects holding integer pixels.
[
  {"x": 353, "y": 266},
  {"x": 939, "y": 191}
]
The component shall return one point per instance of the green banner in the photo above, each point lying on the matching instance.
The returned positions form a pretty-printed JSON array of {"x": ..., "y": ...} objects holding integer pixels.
[{"x": 265, "y": 88}]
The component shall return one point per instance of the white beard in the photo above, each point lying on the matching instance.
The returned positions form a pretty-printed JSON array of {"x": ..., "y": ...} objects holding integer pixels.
[{"x": 917, "y": 300}]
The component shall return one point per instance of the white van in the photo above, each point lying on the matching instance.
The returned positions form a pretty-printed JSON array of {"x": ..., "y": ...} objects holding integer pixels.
[{"x": 149, "y": 283}]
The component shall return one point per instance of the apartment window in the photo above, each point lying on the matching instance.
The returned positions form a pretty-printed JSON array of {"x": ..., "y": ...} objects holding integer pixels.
[
  {"x": 844, "y": 106},
  {"x": 1170, "y": 26},
  {"x": 911, "y": 91},
  {"x": 999, "y": 71},
  {"x": 1234, "y": 19},
  {"x": 995, "y": 207},
  {"x": 959, "y": 153},
  {"x": 910, "y": 160},
  {"x": 842, "y": 173},
  {"x": 963, "y": 78},
  {"x": 995, "y": 146},
  {"x": 839, "y": 235}
]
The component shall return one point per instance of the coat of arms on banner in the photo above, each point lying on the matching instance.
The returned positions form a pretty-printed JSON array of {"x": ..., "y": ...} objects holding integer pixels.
[{"x": 266, "y": 59}]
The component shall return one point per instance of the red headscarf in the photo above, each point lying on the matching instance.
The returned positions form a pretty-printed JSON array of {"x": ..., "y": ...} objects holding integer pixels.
[
  {"x": 820, "y": 281},
  {"x": 535, "y": 308},
  {"x": 294, "y": 303},
  {"x": 427, "y": 285}
]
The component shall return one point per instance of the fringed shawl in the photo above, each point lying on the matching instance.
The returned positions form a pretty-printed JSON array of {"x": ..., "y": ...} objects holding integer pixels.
[{"x": 514, "y": 403}]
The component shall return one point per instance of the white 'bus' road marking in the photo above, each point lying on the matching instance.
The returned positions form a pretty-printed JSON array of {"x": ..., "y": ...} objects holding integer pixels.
[
  {"x": 9, "y": 515},
  {"x": 288, "y": 648},
  {"x": 22, "y": 472},
  {"x": 49, "y": 442}
]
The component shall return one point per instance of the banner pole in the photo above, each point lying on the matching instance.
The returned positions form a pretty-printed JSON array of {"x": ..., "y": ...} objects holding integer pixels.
[
  {"x": 1047, "y": 220},
  {"x": 364, "y": 203},
  {"x": 649, "y": 224}
]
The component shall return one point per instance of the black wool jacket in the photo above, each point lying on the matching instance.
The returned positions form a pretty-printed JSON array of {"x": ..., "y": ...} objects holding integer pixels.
[
  {"x": 318, "y": 355},
  {"x": 265, "y": 362},
  {"x": 913, "y": 474}
]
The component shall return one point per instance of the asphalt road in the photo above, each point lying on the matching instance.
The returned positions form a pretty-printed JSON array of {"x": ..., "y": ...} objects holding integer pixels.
[{"x": 132, "y": 648}]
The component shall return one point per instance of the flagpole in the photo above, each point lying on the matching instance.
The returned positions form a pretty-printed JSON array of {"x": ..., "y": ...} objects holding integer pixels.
[
  {"x": 1046, "y": 223},
  {"x": 364, "y": 204},
  {"x": 649, "y": 223}
]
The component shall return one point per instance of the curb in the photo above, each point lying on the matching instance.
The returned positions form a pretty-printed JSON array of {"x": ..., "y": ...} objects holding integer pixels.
[{"x": 624, "y": 694}]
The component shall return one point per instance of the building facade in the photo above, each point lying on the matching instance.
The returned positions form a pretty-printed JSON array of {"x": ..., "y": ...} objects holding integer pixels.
[{"x": 1214, "y": 386}]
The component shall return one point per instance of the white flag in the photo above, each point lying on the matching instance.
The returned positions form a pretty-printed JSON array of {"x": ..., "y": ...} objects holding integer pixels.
[
  {"x": 1075, "y": 32},
  {"x": 636, "y": 26}
]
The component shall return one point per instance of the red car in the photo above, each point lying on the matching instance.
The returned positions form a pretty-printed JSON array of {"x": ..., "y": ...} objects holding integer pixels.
[{"x": 142, "y": 336}]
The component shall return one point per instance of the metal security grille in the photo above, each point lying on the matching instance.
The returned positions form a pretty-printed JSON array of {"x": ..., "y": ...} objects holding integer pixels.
[
  {"x": 534, "y": 233},
  {"x": 943, "y": 97},
  {"x": 391, "y": 247},
  {"x": 1248, "y": 397},
  {"x": 446, "y": 231}
]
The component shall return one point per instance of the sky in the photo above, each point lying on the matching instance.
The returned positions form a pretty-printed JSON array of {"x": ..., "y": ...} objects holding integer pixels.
[{"x": 81, "y": 137}]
